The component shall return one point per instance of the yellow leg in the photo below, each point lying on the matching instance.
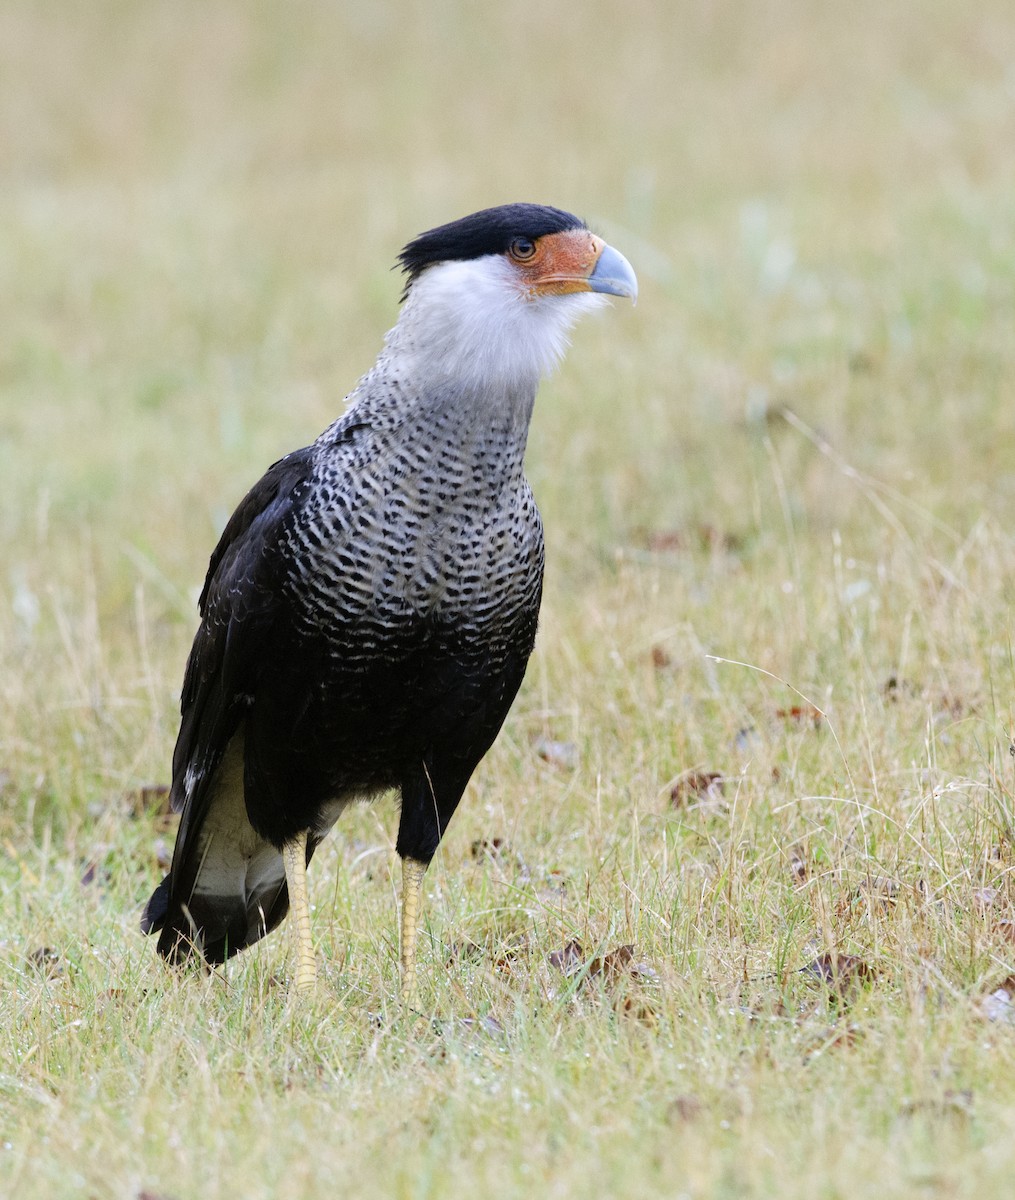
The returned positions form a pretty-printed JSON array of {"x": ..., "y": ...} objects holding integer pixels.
[
  {"x": 294, "y": 855},
  {"x": 412, "y": 880}
]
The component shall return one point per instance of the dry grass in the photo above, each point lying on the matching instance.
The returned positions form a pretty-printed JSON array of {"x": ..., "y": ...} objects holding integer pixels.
[{"x": 778, "y": 497}]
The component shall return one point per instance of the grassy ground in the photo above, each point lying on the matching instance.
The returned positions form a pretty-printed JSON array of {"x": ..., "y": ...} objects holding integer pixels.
[{"x": 769, "y": 716}]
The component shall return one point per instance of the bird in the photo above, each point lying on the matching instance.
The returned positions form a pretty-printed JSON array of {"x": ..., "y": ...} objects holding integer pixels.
[{"x": 371, "y": 605}]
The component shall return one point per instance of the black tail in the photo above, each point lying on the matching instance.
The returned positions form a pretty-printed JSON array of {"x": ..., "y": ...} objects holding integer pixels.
[{"x": 154, "y": 915}]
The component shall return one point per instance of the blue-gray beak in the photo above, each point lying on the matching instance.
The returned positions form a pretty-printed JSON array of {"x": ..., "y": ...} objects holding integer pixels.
[{"x": 613, "y": 275}]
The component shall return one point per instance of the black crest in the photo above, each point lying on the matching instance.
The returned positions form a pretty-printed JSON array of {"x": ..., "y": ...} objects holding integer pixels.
[{"x": 490, "y": 231}]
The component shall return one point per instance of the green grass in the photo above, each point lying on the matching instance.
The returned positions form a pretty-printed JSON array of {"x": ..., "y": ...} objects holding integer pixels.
[{"x": 786, "y": 478}]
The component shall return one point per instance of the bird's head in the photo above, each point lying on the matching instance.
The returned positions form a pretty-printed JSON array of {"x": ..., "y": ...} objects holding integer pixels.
[{"x": 489, "y": 299}]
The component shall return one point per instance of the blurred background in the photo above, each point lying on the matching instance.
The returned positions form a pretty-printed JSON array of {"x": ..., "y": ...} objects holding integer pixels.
[
  {"x": 201, "y": 203},
  {"x": 797, "y": 453}
]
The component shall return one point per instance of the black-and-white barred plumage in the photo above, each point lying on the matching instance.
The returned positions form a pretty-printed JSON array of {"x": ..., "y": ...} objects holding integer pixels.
[{"x": 372, "y": 603}]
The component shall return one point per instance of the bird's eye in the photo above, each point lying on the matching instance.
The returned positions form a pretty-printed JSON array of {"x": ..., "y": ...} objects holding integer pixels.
[{"x": 522, "y": 249}]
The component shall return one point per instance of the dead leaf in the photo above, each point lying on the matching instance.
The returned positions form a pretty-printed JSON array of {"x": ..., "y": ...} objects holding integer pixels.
[
  {"x": 636, "y": 1008},
  {"x": 665, "y": 541},
  {"x": 999, "y": 1005},
  {"x": 840, "y": 1037},
  {"x": 842, "y": 974},
  {"x": 746, "y": 740},
  {"x": 568, "y": 960},
  {"x": 711, "y": 538},
  {"x": 702, "y": 536},
  {"x": 953, "y": 1103},
  {"x": 495, "y": 848},
  {"x": 949, "y": 707},
  {"x": 801, "y": 713},
  {"x": 464, "y": 951},
  {"x": 984, "y": 898},
  {"x": 554, "y": 884},
  {"x": 46, "y": 961},
  {"x": 879, "y": 893},
  {"x": 685, "y": 1108},
  {"x": 709, "y": 785},
  {"x": 612, "y": 966},
  {"x": 558, "y": 754},
  {"x": 93, "y": 874},
  {"x": 1005, "y": 929},
  {"x": 618, "y": 967},
  {"x": 661, "y": 659},
  {"x": 488, "y": 1026},
  {"x": 620, "y": 963},
  {"x": 613, "y": 969},
  {"x": 507, "y": 953},
  {"x": 150, "y": 799},
  {"x": 894, "y": 687},
  {"x": 798, "y": 865}
]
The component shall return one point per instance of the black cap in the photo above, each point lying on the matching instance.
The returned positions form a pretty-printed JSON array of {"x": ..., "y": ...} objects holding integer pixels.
[{"x": 490, "y": 231}]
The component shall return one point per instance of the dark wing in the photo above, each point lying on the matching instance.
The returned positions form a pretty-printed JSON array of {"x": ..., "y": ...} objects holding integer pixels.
[{"x": 239, "y": 605}]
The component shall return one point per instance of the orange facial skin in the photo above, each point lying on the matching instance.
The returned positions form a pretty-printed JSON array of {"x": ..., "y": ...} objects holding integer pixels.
[{"x": 557, "y": 264}]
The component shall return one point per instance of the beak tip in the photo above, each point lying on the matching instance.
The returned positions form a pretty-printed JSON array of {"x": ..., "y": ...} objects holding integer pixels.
[{"x": 614, "y": 275}]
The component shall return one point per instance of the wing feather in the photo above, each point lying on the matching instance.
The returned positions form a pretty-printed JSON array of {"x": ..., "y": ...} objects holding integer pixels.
[{"x": 239, "y": 604}]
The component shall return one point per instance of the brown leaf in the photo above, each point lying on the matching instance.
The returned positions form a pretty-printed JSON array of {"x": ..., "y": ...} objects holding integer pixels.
[
  {"x": 487, "y": 1026},
  {"x": 950, "y": 707},
  {"x": 685, "y": 1108},
  {"x": 46, "y": 961},
  {"x": 495, "y": 848},
  {"x": 711, "y": 538},
  {"x": 613, "y": 966},
  {"x": 842, "y": 974},
  {"x": 894, "y": 687},
  {"x": 554, "y": 884},
  {"x": 91, "y": 874},
  {"x": 568, "y": 960},
  {"x": 636, "y": 1008},
  {"x": 839, "y": 1037},
  {"x": 984, "y": 898},
  {"x": 506, "y": 954},
  {"x": 702, "y": 536},
  {"x": 953, "y": 1103},
  {"x": 150, "y": 799},
  {"x": 665, "y": 541},
  {"x": 879, "y": 893},
  {"x": 800, "y": 714},
  {"x": 694, "y": 784},
  {"x": 661, "y": 658},
  {"x": 620, "y": 963},
  {"x": 464, "y": 951},
  {"x": 999, "y": 1005},
  {"x": 798, "y": 865},
  {"x": 1005, "y": 929},
  {"x": 558, "y": 754}
]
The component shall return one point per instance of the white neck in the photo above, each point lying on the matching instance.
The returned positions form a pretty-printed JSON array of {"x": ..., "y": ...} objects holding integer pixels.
[{"x": 470, "y": 327}]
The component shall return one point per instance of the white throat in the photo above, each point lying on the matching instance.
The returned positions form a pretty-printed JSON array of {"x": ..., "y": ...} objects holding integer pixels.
[{"x": 470, "y": 325}]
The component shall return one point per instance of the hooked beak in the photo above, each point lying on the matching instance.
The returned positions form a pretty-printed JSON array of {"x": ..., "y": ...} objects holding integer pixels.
[{"x": 613, "y": 275}]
